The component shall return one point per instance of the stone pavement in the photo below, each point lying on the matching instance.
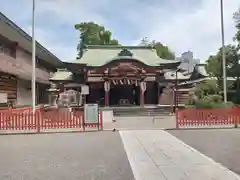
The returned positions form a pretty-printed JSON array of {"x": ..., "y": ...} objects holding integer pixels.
[
  {"x": 157, "y": 155},
  {"x": 141, "y": 122}
]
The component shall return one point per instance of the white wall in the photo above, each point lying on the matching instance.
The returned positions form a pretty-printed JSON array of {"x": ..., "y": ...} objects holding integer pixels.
[
  {"x": 24, "y": 94},
  {"x": 23, "y": 56},
  {"x": 25, "y": 61}
]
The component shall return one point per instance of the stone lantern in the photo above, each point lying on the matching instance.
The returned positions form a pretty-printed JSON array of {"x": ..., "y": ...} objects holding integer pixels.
[{"x": 53, "y": 95}]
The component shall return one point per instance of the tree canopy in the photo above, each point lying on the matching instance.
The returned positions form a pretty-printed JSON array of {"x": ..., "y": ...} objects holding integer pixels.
[
  {"x": 214, "y": 62},
  {"x": 163, "y": 51},
  {"x": 93, "y": 34},
  {"x": 236, "y": 17}
]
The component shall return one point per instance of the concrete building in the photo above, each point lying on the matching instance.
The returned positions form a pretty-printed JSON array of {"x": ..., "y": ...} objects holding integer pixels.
[
  {"x": 188, "y": 62},
  {"x": 16, "y": 65}
]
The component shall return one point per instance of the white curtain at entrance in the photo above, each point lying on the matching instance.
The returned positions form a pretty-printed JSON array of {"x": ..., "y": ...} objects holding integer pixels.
[{"x": 125, "y": 82}]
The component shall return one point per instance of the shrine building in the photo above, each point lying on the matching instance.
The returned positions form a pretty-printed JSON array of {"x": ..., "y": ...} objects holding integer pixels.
[{"x": 125, "y": 75}]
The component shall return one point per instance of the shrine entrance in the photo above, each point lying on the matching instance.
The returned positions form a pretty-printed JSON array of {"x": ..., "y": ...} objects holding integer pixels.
[{"x": 124, "y": 95}]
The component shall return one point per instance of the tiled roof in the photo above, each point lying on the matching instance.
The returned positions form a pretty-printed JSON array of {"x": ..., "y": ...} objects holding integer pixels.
[
  {"x": 61, "y": 74},
  {"x": 101, "y": 55}
]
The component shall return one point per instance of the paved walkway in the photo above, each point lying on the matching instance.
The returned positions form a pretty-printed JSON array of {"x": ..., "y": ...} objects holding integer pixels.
[{"x": 157, "y": 155}]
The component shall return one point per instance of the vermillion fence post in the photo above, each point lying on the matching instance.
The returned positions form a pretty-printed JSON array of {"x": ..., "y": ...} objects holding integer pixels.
[
  {"x": 37, "y": 118},
  {"x": 235, "y": 117},
  {"x": 101, "y": 120},
  {"x": 83, "y": 120}
]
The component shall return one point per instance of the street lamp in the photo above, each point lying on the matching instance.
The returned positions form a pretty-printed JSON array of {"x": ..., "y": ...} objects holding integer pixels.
[
  {"x": 33, "y": 59},
  {"x": 223, "y": 56},
  {"x": 176, "y": 98}
]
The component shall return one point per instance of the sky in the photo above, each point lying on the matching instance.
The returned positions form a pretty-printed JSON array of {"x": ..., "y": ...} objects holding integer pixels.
[{"x": 181, "y": 24}]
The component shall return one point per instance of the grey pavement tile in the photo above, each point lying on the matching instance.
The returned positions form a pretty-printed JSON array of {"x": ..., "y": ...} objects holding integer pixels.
[
  {"x": 186, "y": 163},
  {"x": 174, "y": 173},
  {"x": 142, "y": 165},
  {"x": 199, "y": 172}
]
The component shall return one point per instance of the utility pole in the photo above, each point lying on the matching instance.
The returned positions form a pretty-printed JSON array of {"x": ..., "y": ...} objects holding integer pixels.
[
  {"x": 33, "y": 59},
  {"x": 223, "y": 56}
]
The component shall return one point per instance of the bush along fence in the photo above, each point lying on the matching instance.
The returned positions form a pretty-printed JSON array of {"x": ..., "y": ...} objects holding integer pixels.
[
  {"x": 219, "y": 117},
  {"x": 23, "y": 119}
]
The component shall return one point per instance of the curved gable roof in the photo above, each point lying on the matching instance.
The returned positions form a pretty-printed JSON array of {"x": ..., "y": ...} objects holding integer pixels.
[{"x": 102, "y": 55}]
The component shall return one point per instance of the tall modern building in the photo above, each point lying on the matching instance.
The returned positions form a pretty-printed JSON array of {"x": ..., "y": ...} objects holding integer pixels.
[{"x": 188, "y": 62}]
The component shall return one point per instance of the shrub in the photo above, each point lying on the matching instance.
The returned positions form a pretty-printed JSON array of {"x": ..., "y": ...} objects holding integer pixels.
[{"x": 208, "y": 104}]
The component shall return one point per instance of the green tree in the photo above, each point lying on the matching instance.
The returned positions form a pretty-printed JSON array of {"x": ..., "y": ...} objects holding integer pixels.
[
  {"x": 236, "y": 17},
  {"x": 206, "y": 88},
  {"x": 214, "y": 63},
  {"x": 93, "y": 34},
  {"x": 163, "y": 51},
  {"x": 207, "y": 95}
]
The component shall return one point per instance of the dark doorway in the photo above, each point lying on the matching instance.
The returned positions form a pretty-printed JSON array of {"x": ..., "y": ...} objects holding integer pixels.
[
  {"x": 124, "y": 95},
  {"x": 96, "y": 95},
  {"x": 151, "y": 94}
]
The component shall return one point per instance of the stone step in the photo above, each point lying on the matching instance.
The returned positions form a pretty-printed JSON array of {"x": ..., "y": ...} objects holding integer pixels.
[{"x": 142, "y": 112}]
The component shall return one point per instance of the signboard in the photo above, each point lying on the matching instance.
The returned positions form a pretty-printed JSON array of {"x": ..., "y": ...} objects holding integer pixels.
[
  {"x": 91, "y": 113},
  {"x": 3, "y": 98},
  {"x": 85, "y": 90}
]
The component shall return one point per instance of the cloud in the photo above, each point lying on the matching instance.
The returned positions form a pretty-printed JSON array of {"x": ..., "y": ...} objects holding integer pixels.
[
  {"x": 183, "y": 25},
  {"x": 60, "y": 49},
  {"x": 198, "y": 31}
]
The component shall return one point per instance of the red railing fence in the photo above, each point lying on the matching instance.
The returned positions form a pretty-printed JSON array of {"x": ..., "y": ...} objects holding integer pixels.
[
  {"x": 25, "y": 119},
  {"x": 191, "y": 117}
]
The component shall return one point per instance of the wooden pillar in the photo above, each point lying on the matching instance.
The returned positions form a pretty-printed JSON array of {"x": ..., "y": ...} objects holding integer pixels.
[
  {"x": 174, "y": 99},
  {"x": 107, "y": 90},
  {"x": 141, "y": 97},
  {"x": 159, "y": 95},
  {"x": 78, "y": 97}
]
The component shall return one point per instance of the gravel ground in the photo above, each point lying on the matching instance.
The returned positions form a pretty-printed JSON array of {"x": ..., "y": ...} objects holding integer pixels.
[
  {"x": 85, "y": 156},
  {"x": 222, "y": 145}
]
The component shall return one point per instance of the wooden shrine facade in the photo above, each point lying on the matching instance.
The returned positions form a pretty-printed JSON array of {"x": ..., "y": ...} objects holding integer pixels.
[
  {"x": 120, "y": 76},
  {"x": 118, "y": 83}
]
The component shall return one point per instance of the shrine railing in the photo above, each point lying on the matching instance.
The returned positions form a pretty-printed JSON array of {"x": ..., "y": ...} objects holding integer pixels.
[
  {"x": 23, "y": 119},
  {"x": 221, "y": 117}
]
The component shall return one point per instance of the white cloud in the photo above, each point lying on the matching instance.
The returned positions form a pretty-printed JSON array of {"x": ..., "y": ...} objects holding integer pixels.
[
  {"x": 198, "y": 31},
  {"x": 74, "y": 11},
  {"x": 191, "y": 25},
  {"x": 63, "y": 52}
]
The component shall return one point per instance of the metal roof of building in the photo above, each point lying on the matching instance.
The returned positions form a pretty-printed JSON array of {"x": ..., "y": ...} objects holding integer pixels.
[{"x": 14, "y": 33}]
